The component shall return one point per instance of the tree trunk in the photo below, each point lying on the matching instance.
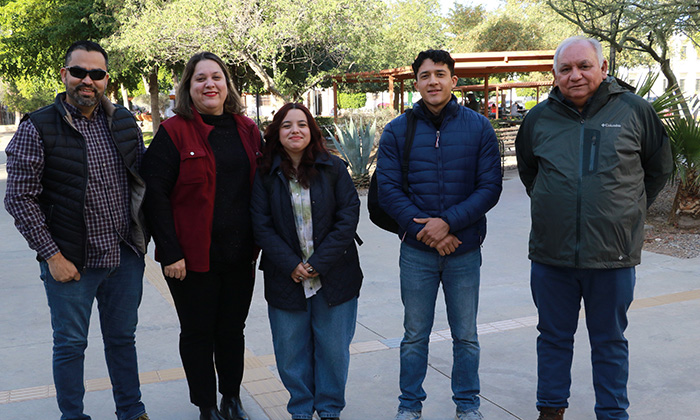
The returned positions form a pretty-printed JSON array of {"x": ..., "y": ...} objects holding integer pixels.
[
  {"x": 125, "y": 96},
  {"x": 268, "y": 82},
  {"x": 673, "y": 214},
  {"x": 18, "y": 117},
  {"x": 673, "y": 84},
  {"x": 146, "y": 86},
  {"x": 155, "y": 106}
]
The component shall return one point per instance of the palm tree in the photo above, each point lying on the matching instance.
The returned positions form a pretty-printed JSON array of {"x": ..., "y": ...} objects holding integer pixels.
[{"x": 684, "y": 135}]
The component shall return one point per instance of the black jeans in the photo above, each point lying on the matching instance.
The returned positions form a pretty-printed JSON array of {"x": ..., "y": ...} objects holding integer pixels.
[{"x": 212, "y": 308}]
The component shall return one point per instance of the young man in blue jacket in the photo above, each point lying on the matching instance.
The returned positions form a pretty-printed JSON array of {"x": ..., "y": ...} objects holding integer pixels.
[{"x": 454, "y": 178}]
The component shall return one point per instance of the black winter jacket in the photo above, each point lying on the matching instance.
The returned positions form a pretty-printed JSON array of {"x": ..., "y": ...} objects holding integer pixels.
[{"x": 335, "y": 214}]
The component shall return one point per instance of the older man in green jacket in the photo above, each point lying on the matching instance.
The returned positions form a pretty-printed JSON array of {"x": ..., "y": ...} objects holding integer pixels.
[{"x": 592, "y": 157}]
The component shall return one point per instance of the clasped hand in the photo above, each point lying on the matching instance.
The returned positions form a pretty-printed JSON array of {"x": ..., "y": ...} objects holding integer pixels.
[{"x": 436, "y": 234}]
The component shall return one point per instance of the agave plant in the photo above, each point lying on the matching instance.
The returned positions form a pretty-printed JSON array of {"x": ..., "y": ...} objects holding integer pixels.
[{"x": 355, "y": 143}]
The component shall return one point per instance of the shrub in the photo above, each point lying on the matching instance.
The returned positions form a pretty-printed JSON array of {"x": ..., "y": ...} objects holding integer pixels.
[
  {"x": 351, "y": 100},
  {"x": 530, "y": 104}
]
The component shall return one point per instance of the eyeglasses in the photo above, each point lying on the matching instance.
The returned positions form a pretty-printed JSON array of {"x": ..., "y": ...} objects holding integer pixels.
[{"x": 80, "y": 73}]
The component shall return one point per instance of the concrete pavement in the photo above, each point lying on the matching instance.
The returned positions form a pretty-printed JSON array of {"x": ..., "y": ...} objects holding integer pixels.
[{"x": 664, "y": 337}]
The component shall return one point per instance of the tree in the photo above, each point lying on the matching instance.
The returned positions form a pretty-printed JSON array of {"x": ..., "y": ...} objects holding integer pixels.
[
  {"x": 409, "y": 27},
  {"x": 25, "y": 95},
  {"x": 289, "y": 46},
  {"x": 515, "y": 26},
  {"x": 639, "y": 25},
  {"x": 35, "y": 34}
]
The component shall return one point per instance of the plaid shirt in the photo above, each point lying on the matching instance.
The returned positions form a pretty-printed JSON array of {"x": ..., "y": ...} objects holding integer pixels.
[{"x": 106, "y": 209}]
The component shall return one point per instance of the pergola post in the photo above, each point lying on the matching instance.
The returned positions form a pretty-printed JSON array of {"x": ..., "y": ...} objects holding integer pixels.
[
  {"x": 391, "y": 91},
  {"x": 486, "y": 96},
  {"x": 498, "y": 97},
  {"x": 401, "y": 99}
]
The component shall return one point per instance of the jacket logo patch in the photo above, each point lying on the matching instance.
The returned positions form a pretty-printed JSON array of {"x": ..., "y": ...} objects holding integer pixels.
[{"x": 608, "y": 125}]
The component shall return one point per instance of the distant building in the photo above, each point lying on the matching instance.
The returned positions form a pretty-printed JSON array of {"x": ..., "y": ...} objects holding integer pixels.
[{"x": 685, "y": 62}]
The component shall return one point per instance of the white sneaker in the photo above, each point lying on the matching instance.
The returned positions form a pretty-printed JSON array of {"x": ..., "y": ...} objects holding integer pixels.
[
  {"x": 408, "y": 415},
  {"x": 469, "y": 415}
]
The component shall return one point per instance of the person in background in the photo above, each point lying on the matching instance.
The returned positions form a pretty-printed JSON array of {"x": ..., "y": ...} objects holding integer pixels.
[
  {"x": 454, "y": 177},
  {"x": 305, "y": 212},
  {"x": 592, "y": 157},
  {"x": 199, "y": 170},
  {"x": 473, "y": 103},
  {"x": 74, "y": 190}
]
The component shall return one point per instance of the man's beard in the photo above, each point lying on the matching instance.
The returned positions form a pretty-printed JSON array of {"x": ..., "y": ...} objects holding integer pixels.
[{"x": 81, "y": 100}]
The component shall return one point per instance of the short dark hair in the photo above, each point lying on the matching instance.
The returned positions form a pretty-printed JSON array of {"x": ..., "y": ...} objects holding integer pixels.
[
  {"x": 85, "y": 46},
  {"x": 183, "y": 102},
  {"x": 273, "y": 146},
  {"x": 437, "y": 56}
]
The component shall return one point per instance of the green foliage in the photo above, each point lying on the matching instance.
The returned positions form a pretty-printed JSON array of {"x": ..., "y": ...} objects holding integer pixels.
[
  {"x": 530, "y": 104},
  {"x": 407, "y": 27},
  {"x": 165, "y": 83},
  {"x": 25, "y": 95},
  {"x": 515, "y": 26},
  {"x": 324, "y": 121},
  {"x": 35, "y": 34},
  {"x": 351, "y": 100},
  {"x": 684, "y": 134},
  {"x": 355, "y": 144},
  {"x": 287, "y": 46}
]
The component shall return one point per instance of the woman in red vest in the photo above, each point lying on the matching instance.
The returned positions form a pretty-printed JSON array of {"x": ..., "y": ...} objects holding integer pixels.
[{"x": 199, "y": 170}]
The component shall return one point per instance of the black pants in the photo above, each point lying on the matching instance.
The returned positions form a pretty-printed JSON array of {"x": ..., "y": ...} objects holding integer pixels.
[{"x": 212, "y": 308}]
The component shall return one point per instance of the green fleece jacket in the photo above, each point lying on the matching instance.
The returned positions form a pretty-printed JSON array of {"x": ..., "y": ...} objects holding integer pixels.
[{"x": 591, "y": 176}]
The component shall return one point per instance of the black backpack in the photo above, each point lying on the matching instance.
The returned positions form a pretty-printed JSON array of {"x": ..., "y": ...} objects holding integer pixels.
[{"x": 376, "y": 214}]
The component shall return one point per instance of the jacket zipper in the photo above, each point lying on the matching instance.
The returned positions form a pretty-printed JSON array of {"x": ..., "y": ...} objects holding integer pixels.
[
  {"x": 578, "y": 196},
  {"x": 437, "y": 140}
]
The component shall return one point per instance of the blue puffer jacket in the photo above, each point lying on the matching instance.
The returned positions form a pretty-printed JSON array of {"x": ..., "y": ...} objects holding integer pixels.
[
  {"x": 454, "y": 173},
  {"x": 335, "y": 211}
]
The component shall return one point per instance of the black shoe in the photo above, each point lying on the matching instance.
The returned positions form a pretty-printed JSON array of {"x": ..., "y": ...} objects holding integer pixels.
[
  {"x": 210, "y": 413},
  {"x": 231, "y": 409}
]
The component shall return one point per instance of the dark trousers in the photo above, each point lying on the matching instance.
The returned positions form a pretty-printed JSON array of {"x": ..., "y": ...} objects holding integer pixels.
[
  {"x": 212, "y": 308},
  {"x": 607, "y": 295}
]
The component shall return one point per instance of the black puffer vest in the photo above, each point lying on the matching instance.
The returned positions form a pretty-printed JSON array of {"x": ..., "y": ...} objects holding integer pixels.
[{"x": 64, "y": 179}]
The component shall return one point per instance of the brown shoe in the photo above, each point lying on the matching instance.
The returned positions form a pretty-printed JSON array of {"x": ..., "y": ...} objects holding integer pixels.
[{"x": 551, "y": 413}]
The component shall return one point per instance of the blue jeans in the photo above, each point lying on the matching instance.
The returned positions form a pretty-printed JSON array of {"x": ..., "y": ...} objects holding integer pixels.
[
  {"x": 421, "y": 275},
  {"x": 312, "y": 350},
  {"x": 607, "y": 294},
  {"x": 118, "y": 292}
]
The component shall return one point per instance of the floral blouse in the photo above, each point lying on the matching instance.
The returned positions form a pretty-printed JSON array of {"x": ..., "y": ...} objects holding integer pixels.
[{"x": 301, "y": 204}]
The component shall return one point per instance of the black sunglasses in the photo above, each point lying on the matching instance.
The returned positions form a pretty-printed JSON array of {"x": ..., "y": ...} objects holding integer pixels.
[{"x": 80, "y": 73}]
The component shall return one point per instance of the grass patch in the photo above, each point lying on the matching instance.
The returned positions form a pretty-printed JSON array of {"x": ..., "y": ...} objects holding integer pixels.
[{"x": 147, "y": 137}]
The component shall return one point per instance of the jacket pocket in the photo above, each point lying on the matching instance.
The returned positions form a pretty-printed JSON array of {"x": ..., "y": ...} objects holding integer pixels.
[{"x": 193, "y": 166}]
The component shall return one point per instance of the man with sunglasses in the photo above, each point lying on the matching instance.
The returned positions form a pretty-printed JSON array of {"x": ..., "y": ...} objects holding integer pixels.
[{"x": 75, "y": 193}]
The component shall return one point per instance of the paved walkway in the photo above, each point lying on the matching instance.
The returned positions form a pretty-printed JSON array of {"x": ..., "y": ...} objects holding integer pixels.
[{"x": 663, "y": 333}]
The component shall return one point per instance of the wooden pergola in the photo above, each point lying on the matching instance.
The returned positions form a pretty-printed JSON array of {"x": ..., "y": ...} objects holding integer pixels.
[
  {"x": 471, "y": 65},
  {"x": 499, "y": 87}
]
